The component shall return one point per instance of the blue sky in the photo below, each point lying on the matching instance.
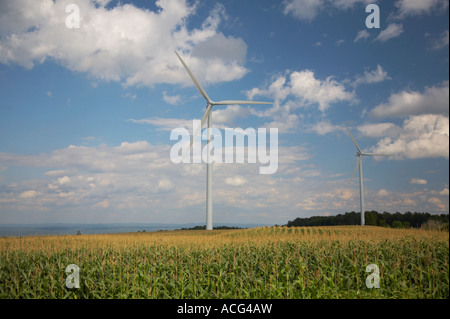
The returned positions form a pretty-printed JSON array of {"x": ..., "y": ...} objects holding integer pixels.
[{"x": 86, "y": 113}]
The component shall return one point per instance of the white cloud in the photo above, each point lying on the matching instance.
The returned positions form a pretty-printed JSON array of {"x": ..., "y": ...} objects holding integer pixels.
[
  {"x": 309, "y": 90},
  {"x": 433, "y": 100},
  {"x": 227, "y": 49},
  {"x": 284, "y": 121},
  {"x": 123, "y": 43},
  {"x": 307, "y": 10},
  {"x": 370, "y": 77},
  {"x": 278, "y": 89},
  {"x": 393, "y": 30},
  {"x": 418, "y": 181},
  {"x": 226, "y": 116},
  {"x": 325, "y": 127},
  {"x": 165, "y": 184},
  {"x": 56, "y": 172},
  {"x": 235, "y": 181},
  {"x": 223, "y": 117},
  {"x": 438, "y": 203},
  {"x": 362, "y": 35},
  {"x": 29, "y": 194},
  {"x": 444, "y": 192},
  {"x": 379, "y": 130},
  {"x": 174, "y": 100},
  {"x": 165, "y": 124},
  {"x": 102, "y": 204},
  {"x": 130, "y": 96},
  {"x": 136, "y": 182},
  {"x": 440, "y": 42},
  {"x": 418, "y": 7},
  {"x": 297, "y": 89},
  {"x": 63, "y": 180},
  {"x": 304, "y": 85},
  {"x": 383, "y": 192},
  {"x": 422, "y": 136}
]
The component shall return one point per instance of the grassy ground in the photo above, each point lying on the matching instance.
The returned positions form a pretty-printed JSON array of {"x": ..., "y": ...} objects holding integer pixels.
[{"x": 271, "y": 262}]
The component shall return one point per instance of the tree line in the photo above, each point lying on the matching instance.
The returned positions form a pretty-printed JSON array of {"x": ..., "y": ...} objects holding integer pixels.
[{"x": 373, "y": 218}]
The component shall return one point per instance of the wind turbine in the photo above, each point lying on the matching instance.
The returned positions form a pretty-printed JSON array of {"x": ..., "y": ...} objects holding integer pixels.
[
  {"x": 208, "y": 114},
  {"x": 360, "y": 155}
]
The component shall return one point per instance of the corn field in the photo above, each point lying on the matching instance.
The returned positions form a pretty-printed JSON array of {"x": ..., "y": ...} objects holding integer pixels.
[{"x": 268, "y": 262}]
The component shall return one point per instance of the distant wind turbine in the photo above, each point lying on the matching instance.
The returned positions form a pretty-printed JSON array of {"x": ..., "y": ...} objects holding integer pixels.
[
  {"x": 360, "y": 155},
  {"x": 208, "y": 114}
]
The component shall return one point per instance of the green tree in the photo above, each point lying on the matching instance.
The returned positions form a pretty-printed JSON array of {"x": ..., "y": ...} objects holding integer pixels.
[
  {"x": 371, "y": 218},
  {"x": 397, "y": 224}
]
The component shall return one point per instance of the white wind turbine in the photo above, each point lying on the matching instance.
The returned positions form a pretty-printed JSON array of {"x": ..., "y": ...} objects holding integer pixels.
[
  {"x": 208, "y": 114},
  {"x": 360, "y": 155}
]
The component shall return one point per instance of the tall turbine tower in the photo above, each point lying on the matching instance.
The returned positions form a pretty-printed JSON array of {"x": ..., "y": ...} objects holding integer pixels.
[
  {"x": 208, "y": 114},
  {"x": 360, "y": 155}
]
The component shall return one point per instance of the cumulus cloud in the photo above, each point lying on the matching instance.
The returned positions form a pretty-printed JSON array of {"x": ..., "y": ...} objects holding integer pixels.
[
  {"x": 418, "y": 7},
  {"x": 102, "y": 204},
  {"x": 226, "y": 116},
  {"x": 421, "y": 136},
  {"x": 379, "y": 130},
  {"x": 165, "y": 184},
  {"x": 438, "y": 203},
  {"x": 115, "y": 177},
  {"x": 123, "y": 43},
  {"x": 418, "y": 181},
  {"x": 362, "y": 35},
  {"x": 223, "y": 117},
  {"x": 393, "y": 30},
  {"x": 402, "y": 202},
  {"x": 139, "y": 177},
  {"x": 165, "y": 124},
  {"x": 235, "y": 181},
  {"x": 136, "y": 182},
  {"x": 171, "y": 99},
  {"x": 307, "y": 10},
  {"x": 315, "y": 91},
  {"x": 298, "y": 89},
  {"x": 441, "y": 42},
  {"x": 325, "y": 127},
  {"x": 29, "y": 194},
  {"x": 307, "y": 89},
  {"x": 370, "y": 77},
  {"x": 433, "y": 100}
]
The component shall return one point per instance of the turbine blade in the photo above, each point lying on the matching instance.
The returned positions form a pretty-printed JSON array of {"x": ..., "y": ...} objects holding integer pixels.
[
  {"x": 356, "y": 167},
  {"x": 232, "y": 102},
  {"x": 373, "y": 154},
  {"x": 199, "y": 87},
  {"x": 354, "y": 142},
  {"x": 199, "y": 128}
]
